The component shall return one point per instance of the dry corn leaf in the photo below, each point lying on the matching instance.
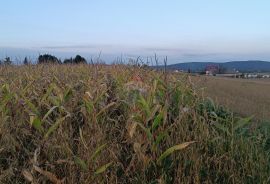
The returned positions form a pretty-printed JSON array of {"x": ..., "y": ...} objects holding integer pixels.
[
  {"x": 28, "y": 176},
  {"x": 48, "y": 175},
  {"x": 132, "y": 129}
]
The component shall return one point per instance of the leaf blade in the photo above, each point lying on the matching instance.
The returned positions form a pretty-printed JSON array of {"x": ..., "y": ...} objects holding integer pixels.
[
  {"x": 173, "y": 149},
  {"x": 103, "y": 168}
]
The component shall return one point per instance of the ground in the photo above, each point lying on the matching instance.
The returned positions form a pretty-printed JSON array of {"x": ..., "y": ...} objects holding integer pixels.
[{"x": 245, "y": 97}]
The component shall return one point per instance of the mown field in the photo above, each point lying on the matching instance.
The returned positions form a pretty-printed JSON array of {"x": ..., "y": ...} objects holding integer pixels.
[
  {"x": 246, "y": 97},
  {"x": 121, "y": 124}
]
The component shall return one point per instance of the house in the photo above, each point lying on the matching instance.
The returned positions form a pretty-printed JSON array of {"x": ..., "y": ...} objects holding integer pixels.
[{"x": 211, "y": 70}]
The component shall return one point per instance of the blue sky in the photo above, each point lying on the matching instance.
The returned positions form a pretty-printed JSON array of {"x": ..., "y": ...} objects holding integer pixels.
[{"x": 184, "y": 30}]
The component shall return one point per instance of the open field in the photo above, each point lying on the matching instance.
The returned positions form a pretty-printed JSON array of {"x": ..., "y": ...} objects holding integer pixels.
[
  {"x": 244, "y": 96},
  {"x": 121, "y": 124}
]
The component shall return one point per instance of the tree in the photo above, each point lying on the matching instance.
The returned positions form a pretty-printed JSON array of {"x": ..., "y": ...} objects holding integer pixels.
[
  {"x": 77, "y": 60},
  {"x": 7, "y": 61},
  {"x": 222, "y": 70},
  {"x": 68, "y": 61},
  {"x": 48, "y": 59},
  {"x": 25, "y": 61}
]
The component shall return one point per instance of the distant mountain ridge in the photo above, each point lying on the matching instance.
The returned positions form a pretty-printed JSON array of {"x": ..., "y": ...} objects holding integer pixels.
[{"x": 241, "y": 66}]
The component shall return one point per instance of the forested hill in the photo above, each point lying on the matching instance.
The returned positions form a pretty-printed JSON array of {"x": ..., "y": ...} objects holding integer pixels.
[{"x": 242, "y": 66}]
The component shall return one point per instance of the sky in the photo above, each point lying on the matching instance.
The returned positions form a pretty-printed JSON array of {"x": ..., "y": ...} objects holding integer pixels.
[{"x": 183, "y": 30}]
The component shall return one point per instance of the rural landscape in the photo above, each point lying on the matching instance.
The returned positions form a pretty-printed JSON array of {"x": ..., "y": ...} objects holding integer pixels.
[
  {"x": 134, "y": 92},
  {"x": 128, "y": 123}
]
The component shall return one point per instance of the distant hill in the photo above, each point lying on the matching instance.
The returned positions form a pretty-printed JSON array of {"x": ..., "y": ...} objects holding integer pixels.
[{"x": 241, "y": 66}]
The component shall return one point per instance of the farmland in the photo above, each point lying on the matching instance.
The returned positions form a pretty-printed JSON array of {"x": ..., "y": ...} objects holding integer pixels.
[
  {"x": 246, "y": 97},
  {"x": 122, "y": 124}
]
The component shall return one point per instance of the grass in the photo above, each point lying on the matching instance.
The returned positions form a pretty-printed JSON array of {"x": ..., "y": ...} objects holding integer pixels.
[
  {"x": 121, "y": 124},
  {"x": 244, "y": 96}
]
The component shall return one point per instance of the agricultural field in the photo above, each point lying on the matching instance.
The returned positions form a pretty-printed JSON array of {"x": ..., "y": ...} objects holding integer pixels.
[
  {"x": 122, "y": 124},
  {"x": 246, "y": 97}
]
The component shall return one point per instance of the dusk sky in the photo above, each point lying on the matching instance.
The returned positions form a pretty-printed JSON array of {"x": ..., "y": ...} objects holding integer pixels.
[{"x": 190, "y": 30}]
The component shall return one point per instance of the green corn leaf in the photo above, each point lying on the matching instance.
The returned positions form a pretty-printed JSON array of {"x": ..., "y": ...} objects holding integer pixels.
[
  {"x": 211, "y": 103},
  {"x": 242, "y": 122},
  {"x": 54, "y": 100},
  {"x": 154, "y": 110},
  {"x": 26, "y": 88},
  {"x": 31, "y": 106},
  {"x": 160, "y": 137},
  {"x": 144, "y": 105},
  {"x": 137, "y": 118},
  {"x": 213, "y": 114},
  {"x": 146, "y": 130},
  {"x": 97, "y": 152},
  {"x": 36, "y": 123},
  {"x": 105, "y": 108},
  {"x": 102, "y": 94},
  {"x": 173, "y": 149},
  {"x": 48, "y": 92},
  {"x": 103, "y": 168},
  {"x": 222, "y": 128},
  {"x": 89, "y": 106},
  {"x": 7, "y": 97},
  {"x": 48, "y": 113},
  {"x": 59, "y": 93},
  {"x": 5, "y": 88},
  {"x": 157, "y": 121},
  {"x": 81, "y": 163},
  {"x": 67, "y": 95},
  {"x": 54, "y": 126}
]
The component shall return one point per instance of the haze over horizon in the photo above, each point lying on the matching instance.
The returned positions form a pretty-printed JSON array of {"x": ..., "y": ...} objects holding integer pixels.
[{"x": 185, "y": 31}]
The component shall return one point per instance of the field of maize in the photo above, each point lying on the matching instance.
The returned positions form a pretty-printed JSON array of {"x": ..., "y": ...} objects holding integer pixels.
[{"x": 121, "y": 124}]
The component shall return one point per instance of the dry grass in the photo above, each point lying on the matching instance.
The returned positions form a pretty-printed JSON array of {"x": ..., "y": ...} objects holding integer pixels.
[
  {"x": 120, "y": 124},
  {"x": 244, "y": 96}
]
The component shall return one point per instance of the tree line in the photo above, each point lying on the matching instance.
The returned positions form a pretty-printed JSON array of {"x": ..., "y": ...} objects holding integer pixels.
[{"x": 47, "y": 59}]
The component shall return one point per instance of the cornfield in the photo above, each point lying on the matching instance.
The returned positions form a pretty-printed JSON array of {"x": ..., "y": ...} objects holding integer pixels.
[{"x": 121, "y": 124}]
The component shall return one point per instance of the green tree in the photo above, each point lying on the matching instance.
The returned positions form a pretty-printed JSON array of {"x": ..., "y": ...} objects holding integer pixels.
[
  {"x": 25, "y": 61},
  {"x": 77, "y": 60},
  {"x": 7, "y": 61},
  {"x": 68, "y": 61},
  {"x": 48, "y": 59}
]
